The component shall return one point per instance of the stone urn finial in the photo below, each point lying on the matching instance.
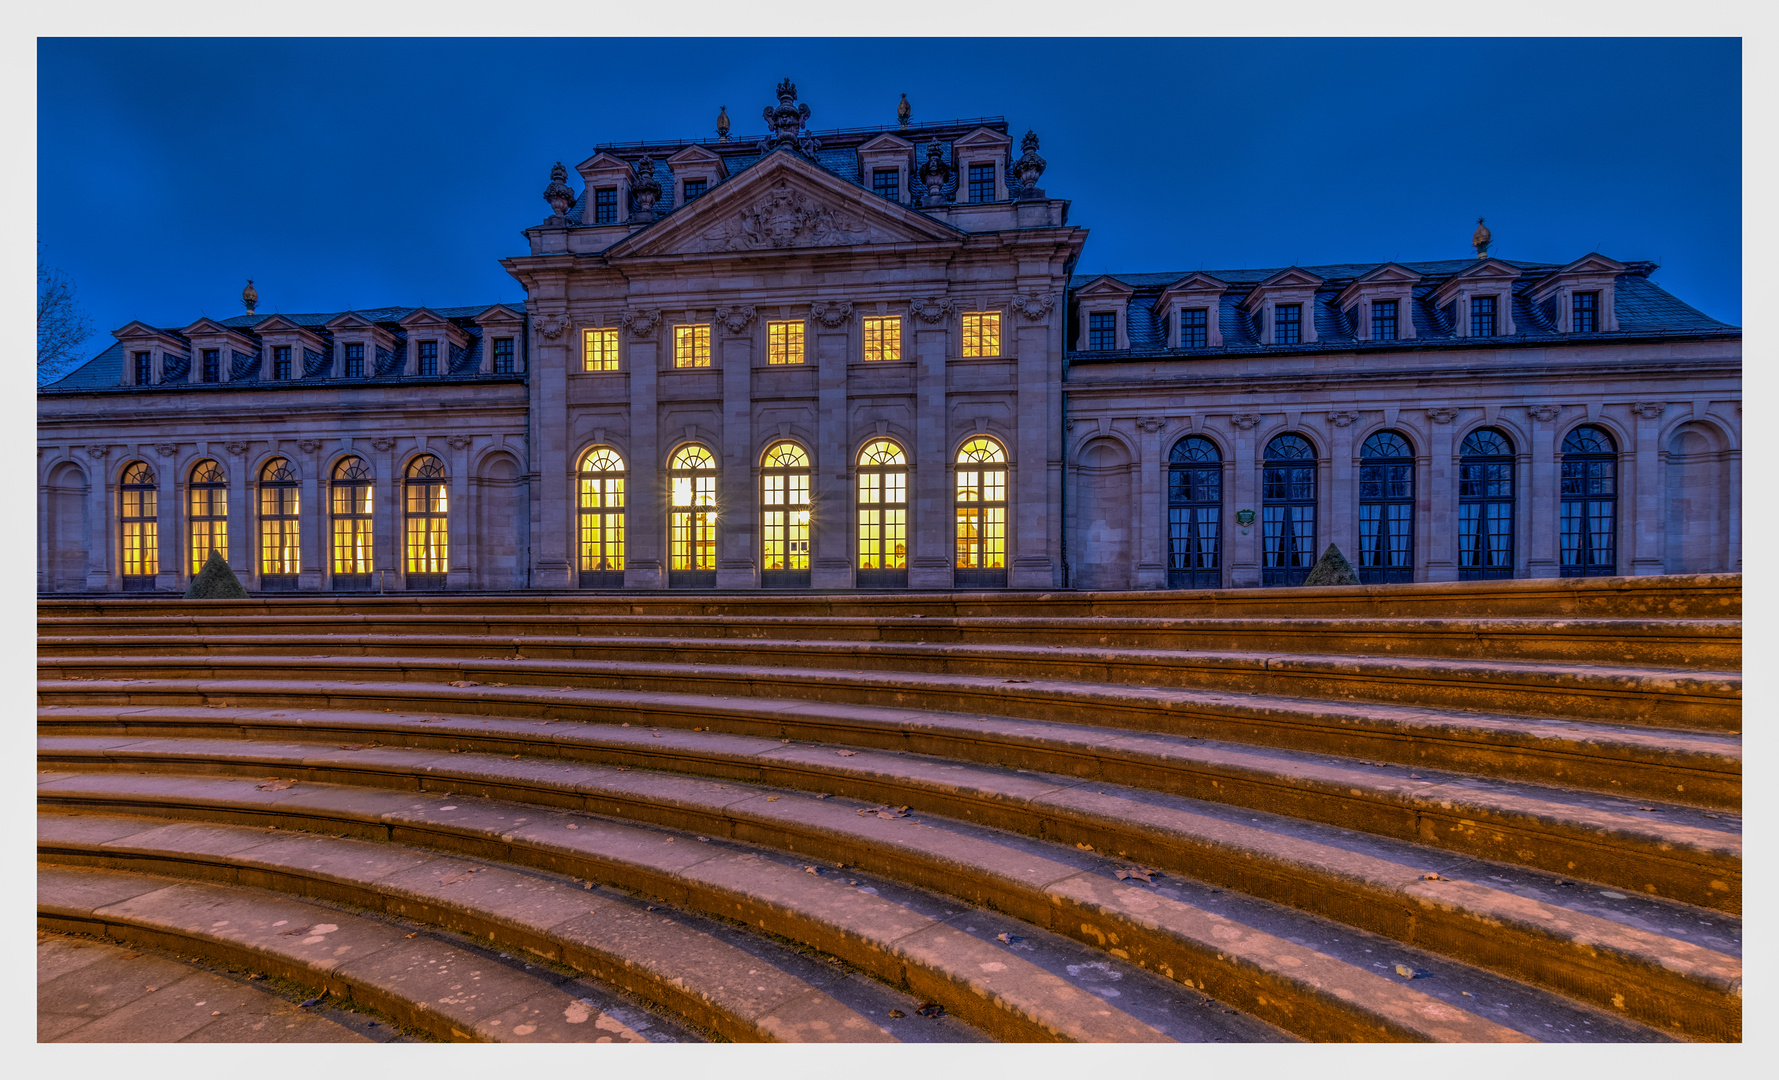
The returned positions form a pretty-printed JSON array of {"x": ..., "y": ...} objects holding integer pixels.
[
  {"x": 559, "y": 195},
  {"x": 785, "y": 123},
  {"x": 904, "y": 111},
  {"x": 1029, "y": 168},
  {"x": 1480, "y": 239},
  {"x": 249, "y": 296},
  {"x": 722, "y": 123},
  {"x": 645, "y": 188}
]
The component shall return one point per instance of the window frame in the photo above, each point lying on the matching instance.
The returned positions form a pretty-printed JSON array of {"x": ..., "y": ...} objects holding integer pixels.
[
  {"x": 351, "y": 506},
  {"x": 504, "y": 361},
  {"x": 1102, "y": 330},
  {"x": 1584, "y": 302},
  {"x": 695, "y": 517},
  {"x": 881, "y": 514},
  {"x": 1201, "y": 328},
  {"x": 601, "y": 517},
  {"x": 687, "y": 357},
  {"x": 1379, "y": 319},
  {"x": 1490, "y": 318},
  {"x": 1290, "y": 496},
  {"x": 787, "y": 522},
  {"x": 605, "y": 206},
  {"x": 1588, "y": 490},
  {"x": 1483, "y": 506},
  {"x": 881, "y": 334},
  {"x": 894, "y": 194},
  {"x": 210, "y": 518},
  {"x": 210, "y": 365},
  {"x": 973, "y": 344},
  {"x": 426, "y": 528},
  {"x": 980, "y": 470},
  {"x": 974, "y": 180},
  {"x": 281, "y": 370},
  {"x": 279, "y": 497},
  {"x": 785, "y": 342},
  {"x": 687, "y": 194},
  {"x": 1287, "y": 324},
  {"x": 1388, "y": 509},
  {"x": 599, "y": 349},
  {"x": 138, "y": 526},
  {"x": 1193, "y": 503},
  {"x": 353, "y": 366}
]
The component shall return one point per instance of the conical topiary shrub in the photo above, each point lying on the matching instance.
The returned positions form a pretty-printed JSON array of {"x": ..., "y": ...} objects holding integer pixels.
[
  {"x": 1332, "y": 569},
  {"x": 216, "y": 581}
]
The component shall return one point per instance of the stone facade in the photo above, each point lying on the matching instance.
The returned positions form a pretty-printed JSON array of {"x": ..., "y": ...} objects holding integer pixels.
[{"x": 897, "y": 306}]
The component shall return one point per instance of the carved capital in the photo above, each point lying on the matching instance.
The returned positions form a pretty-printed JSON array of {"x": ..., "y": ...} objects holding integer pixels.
[
  {"x": 98, "y": 453},
  {"x": 1034, "y": 308},
  {"x": 383, "y": 444},
  {"x": 932, "y": 309},
  {"x": 1649, "y": 410},
  {"x": 551, "y": 326},
  {"x": 1342, "y": 419},
  {"x": 736, "y": 319},
  {"x": 1150, "y": 424},
  {"x": 1546, "y": 413},
  {"x": 459, "y": 442},
  {"x": 640, "y": 323},
  {"x": 1245, "y": 420},
  {"x": 832, "y": 314},
  {"x": 308, "y": 446},
  {"x": 1442, "y": 416},
  {"x": 237, "y": 448},
  {"x": 166, "y": 449}
]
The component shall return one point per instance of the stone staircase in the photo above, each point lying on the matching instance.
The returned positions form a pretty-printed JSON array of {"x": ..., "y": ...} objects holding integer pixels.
[{"x": 1480, "y": 811}]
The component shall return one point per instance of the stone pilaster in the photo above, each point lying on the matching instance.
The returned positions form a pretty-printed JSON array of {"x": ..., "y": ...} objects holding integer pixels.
[
  {"x": 551, "y": 567},
  {"x": 1031, "y": 521},
  {"x": 645, "y": 509},
  {"x": 1436, "y": 531},
  {"x": 311, "y": 515},
  {"x": 1148, "y": 519},
  {"x": 831, "y": 494},
  {"x": 1241, "y": 484},
  {"x": 102, "y": 522},
  {"x": 737, "y": 501},
  {"x": 933, "y": 525},
  {"x": 1544, "y": 487},
  {"x": 1339, "y": 523},
  {"x": 1646, "y": 522},
  {"x": 169, "y": 518},
  {"x": 461, "y": 549}
]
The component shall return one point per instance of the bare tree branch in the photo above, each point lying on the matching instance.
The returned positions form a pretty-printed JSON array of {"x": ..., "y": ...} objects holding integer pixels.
[{"x": 61, "y": 323}]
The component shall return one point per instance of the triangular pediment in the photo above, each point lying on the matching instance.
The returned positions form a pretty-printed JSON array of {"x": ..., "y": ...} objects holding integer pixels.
[
  {"x": 1197, "y": 281},
  {"x": 349, "y": 320},
  {"x": 278, "y": 324},
  {"x": 136, "y": 328},
  {"x": 1485, "y": 269},
  {"x": 1291, "y": 277},
  {"x": 420, "y": 316},
  {"x": 886, "y": 143},
  {"x": 603, "y": 163},
  {"x": 982, "y": 137},
  {"x": 1104, "y": 285},
  {"x": 208, "y": 327},
  {"x": 1594, "y": 263},
  {"x": 497, "y": 315},
  {"x": 1389, "y": 273},
  {"x": 782, "y": 202},
  {"x": 693, "y": 157}
]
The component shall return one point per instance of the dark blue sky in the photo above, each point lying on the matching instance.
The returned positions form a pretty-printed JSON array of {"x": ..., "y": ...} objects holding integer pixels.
[{"x": 360, "y": 173}]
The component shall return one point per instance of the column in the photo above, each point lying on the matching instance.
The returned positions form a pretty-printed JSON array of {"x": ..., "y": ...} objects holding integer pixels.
[
  {"x": 934, "y": 516},
  {"x": 831, "y": 565},
  {"x": 551, "y": 566},
  {"x": 1032, "y": 543},
  {"x": 168, "y": 517},
  {"x": 386, "y": 515},
  {"x": 1436, "y": 528},
  {"x": 461, "y": 522},
  {"x": 1241, "y": 483},
  {"x": 645, "y": 517},
  {"x": 313, "y": 509},
  {"x": 1542, "y": 508},
  {"x": 1340, "y": 494},
  {"x": 1148, "y": 518},
  {"x": 737, "y": 501},
  {"x": 1646, "y": 523},
  {"x": 101, "y": 540}
]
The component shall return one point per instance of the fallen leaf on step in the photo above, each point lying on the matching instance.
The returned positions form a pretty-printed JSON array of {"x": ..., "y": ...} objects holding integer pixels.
[
  {"x": 772, "y": 798},
  {"x": 704, "y": 839},
  {"x": 931, "y": 1009},
  {"x": 414, "y": 934},
  {"x": 1137, "y": 873},
  {"x": 278, "y": 785},
  {"x": 1433, "y": 876},
  {"x": 896, "y": 1014},
  {"x": 1651, "y": 809},
  {"x": 822, "y": 796},
  {"x": 358, "y": 745},
  {"x": 1085, "y": 847},
  {"x": 1016, "y": 680},
  {"x": 462, "y": 875},
  {"x": 1405, "y": 971},
  {"x": 812, "y": 870},
  {"x": 574, "y": 826},
  {"x": 462, "y": 682},
  {"x": 847, "y": 753},
  {"x": 1007, "y": 939}
]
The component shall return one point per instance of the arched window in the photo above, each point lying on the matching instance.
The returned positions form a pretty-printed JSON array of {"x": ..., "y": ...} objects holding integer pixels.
[
  {"x": 1386, "y": 509},
  {"x": 883, "y": 516},
  {"x": 209, "y": 518},
  {"x": 139, "y": 519},
  {"x": 784, "y": 516},
  {"x": 602, "y": 476},
  {"x": 1485, "y": 506},
  {"x": 351, "y": 495},
  {"x": 1589, "y": 519},
  {"x": 692, "y": 519},
  {"x": 1194, "y": 515},
  {"x": 981, "y": 515},
  {"x": 280, "y": 549},
  {"x": 429, "y": 534},
  {"x": 1288, "y": 511}
]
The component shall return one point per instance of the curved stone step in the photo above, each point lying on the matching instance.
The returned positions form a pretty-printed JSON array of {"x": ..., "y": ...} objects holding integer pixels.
[
  {"x": 1671, "y": 982},
  {"x": 1297, "y": 988},
  {"x": 427, "y": 984},
  {"x": 915, "y": 672},
  {"x": 1666, "y": 850},
  {"x": 1714, "y": 644}
]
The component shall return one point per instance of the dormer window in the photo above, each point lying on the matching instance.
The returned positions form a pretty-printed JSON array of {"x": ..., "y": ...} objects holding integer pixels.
[
  {"x": 144, "y": 368},
  {"x": 1194, "y": 328},
  {"x": 1482, "y": 316},
  {"x": 605, "y": 206},
  {"x": 695, "y": 187},
  {"x": 429, "y": 358},
  {"x": 1102, "y": 330},
  {"x": 355, "y": 360},
  {"x": 982, "y": 182},
  {"x": 1584, "y": 313},
  {"x": 1287, "y": 324},
  {"x": 888, "y": 183},
  {"x": 281, "y": 362},
  {"x": 1383, "y": 320},
  {"x": 503, "y": 356},
  {"x": 212, "y": 371}
]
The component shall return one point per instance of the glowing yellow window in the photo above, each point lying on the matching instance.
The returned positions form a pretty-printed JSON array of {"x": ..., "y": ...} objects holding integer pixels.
[
  {"x": 599, "y": 350},
  {"x": 602, "y": 476},
  {"x": 883, "y": 510},
  {"x": 981, "y": 506},
  {"x": 784, "y": 342},
  {"x": 351, "y": 493},
  {"x": 982, "y": 333},
  {"x": 137, "y": 517},
  {"x": 428, "y": 518},
  {"x": 784, "y": 512},
  {"x": 691, "y": 345},
  {"x": 883, "y": 338},
  {"x": 209, "y": 520},
  {"x": 692, "y": 517},
  {"x": 280, "y": 548}
]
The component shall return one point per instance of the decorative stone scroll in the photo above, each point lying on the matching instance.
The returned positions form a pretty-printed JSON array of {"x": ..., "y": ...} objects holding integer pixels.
[
  {"x": 831, "y": 314},
  {"x": 1150, "y": 424},
  {"x": 1034, "y": 308},
  {"x": 459, "y": 442},
  {"x": 735, "y": 319},
  {"x": 551, "y": 326},
  {"x": 932, "y": 309},
  {"x": 640, "y": 323},
  {"x": 309, "y": 446},
  {"x": 237, "y": 448},
  {"x": 1245, "y": 420},
  {"x": 166, "y": 449},
  {"x": 384, "y": 445},
  {"x": 1342, "y": 419},
  {"x": 98, "y": 453},
  {"x": 1546, "y": 413},
  {"x": 1649, "y": 410},
  {"x": 1442, "y": 416}
]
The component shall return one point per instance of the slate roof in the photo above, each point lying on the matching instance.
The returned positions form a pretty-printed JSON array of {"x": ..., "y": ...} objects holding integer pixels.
[{"x": 101, "y": 372}]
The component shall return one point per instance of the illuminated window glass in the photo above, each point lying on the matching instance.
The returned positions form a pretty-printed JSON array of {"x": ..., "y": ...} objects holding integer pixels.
[
  {"x": 350, "y": 498},
  {"x": 208, "y": 521},
  {"x": 599, "y": 350},
  {"x": 784, "y": 342},
  {"x": 280, "y": 547},
  {"x": 691, "y": 345},
  {"x": 139, "y": 526},
  {"x": 428, "y": 526},
  {"x": 692, "y": 515},
  {"x": 784, "y": 515},
  {"x": 883, "y": 338},
  {"x": 982, "y": 333},
  {"x": 602, "y": 481},
  {"x": 981, "y": 508},
  {"x": 882, "y": 513}
]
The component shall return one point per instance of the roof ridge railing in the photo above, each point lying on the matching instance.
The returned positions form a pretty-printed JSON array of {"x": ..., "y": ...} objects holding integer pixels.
[{"x": 744, "y": 143}]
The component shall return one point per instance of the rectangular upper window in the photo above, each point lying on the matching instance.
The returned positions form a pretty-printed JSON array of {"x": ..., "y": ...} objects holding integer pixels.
[
  {"x": 982, "y": 333},
  {"x": 691, "y": 345},
  {"x": 695, "y": 187},
  {"x": 1383, "y": 320},
  {"x": 1584, "y": 313},
  {"x": 281, "y": 362},
  {"x": 144, "y": 368},
  {"x": 503, "y": 355},
  {"x": 355, "y": 360},
  {"x": 784, "y": 342},
  {"x": 888, "y": 183},
  {"x": 212, "y": 370},
  {"x": 1194, "y": 328},
  {"x": 1482, "y": 316},
  {"x": 883, "y": 338},
  {"x": 1102, "y": 330},
  {"x": 605, "y": 206},
  {"x": 429, "y": 358},
  {"x": 982, "y": 183},
  {"x": 599, "y": 350},
  {"x": 1287, "y": 324}
]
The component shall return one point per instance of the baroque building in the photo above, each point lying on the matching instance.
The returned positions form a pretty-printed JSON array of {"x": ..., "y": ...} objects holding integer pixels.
[{"x": 861, "y": 359}]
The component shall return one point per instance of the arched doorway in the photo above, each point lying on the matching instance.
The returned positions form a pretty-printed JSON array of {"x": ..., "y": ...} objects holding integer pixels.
[
  {"x": 602, "y": 512},
  {"x": 429, "y": 526},
  {"x": 882, "y": 516},
  {"x": 1589, "y": 519},
  {"x": 1485, "y": 506},
  {"x": 351, "y": 497},
  {"x": 207, "y": 523},
  {"x": 692, "y": 519},
  {"x": 1386, "y": 509},
  {"x": 981, "y": 561},
  {"x": 784, "y": 517},
  {"x": 280, "y": 546},
  {"x": 1195, "y": 515},
  {"x": 1288, "y": 511}
]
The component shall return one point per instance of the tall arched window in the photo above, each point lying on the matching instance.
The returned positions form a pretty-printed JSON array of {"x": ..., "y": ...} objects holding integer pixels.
[
  {"x": 1386, "y": 509},
  {"x": 602, "y": 476},
  {"x": 139, "y": 520},
  {"x": 351, "y": 497},
  {"x": 784, "y": 517},
  {"x": 883, "y": 516},
  {"x": 1589, "y": 519},
  {"x": 981, "y": 515},
  {"x": 1194, "y": 515},
  {"x": 692, "y": 519},
  {"x": 1485, "y": 506},
  {"x": 1288, "y": 511},
  {"x": 209, "y": 518},
  {"x": 429, "y": 534},
  {"x": 280, "y": 549}
]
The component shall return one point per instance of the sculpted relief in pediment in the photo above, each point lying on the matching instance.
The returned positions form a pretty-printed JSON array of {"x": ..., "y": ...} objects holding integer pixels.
[{"x": 785, "y": 217}]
